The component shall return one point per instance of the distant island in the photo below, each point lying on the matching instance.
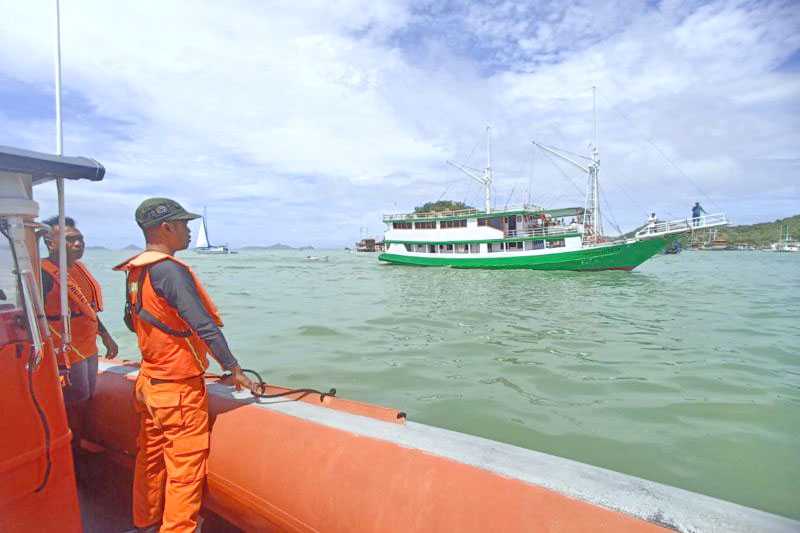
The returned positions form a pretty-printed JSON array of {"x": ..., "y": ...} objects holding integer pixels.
[
  {"x": 97, "y": 248},
  {"x": 763, "y": 233},
  {"x": 760, "y": 235},
  {"x": 278, "y": 246},
  {"x": 133, "y": 247},
  {"x": 442, "y": 205}
]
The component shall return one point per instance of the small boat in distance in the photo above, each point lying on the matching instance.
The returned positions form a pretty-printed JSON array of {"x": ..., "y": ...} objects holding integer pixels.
[
  {"x": 786, "y": 244},
  {"x": 203, "y": 246}
]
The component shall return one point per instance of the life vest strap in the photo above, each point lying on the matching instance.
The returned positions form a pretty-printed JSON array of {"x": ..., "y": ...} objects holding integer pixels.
[
  {"x": 145, "y": 315},
  {"x": 56, "y": 318}
]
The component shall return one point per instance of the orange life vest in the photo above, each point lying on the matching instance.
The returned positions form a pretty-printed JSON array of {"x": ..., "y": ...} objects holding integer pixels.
[
  {"x": 85, "y": 301},
  {"x": 170, "y": 348}
]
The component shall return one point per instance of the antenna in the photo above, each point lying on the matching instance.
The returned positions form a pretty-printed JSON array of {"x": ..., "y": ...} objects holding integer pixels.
[{"x": 66, "y": 334}]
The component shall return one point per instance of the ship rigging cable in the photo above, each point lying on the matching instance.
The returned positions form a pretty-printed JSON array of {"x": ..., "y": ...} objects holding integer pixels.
[{"x": 667, "y": 159}]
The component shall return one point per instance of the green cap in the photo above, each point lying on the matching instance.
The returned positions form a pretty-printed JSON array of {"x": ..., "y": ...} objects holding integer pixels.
[{"x": 154, "y": 211}]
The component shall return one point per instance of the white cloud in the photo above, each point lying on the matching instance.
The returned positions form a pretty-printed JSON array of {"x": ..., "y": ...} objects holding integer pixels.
[{"x": 349, "y": 108}]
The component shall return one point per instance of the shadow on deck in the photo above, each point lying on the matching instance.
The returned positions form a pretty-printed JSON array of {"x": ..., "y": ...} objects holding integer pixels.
[{"x": 104, "y": 491}]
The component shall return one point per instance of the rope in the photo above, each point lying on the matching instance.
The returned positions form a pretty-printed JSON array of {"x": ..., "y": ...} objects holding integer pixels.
[
  {"x": 262, "y": 385},
  {"x": 549, "y": 158}
]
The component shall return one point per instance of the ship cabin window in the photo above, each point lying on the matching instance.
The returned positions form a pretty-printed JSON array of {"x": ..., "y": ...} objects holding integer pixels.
[
  {"x": 514, "y": 246},
  {"x": 421, "y": 248},
  {"x": 401, "y": 225},
  {"x": 474, "y": 248},
  {"x": 432, "y": 248},
  {"x": 558, "y": 243},
  {"x": 462, "y": 248},
  {"x": 430, "y": 224},
  {"x": 534, "y": 245},
  {"x": 494, "y": 247},
  {"x": 496, "y": 223},
  {"x": 462, "y": 223}
]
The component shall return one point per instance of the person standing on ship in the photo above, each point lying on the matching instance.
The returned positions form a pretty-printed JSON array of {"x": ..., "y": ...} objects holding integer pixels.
[
  {"x": 651, "y": 223},
  {"x": 697, "y": 211},
  {"x": 85, "y": 302},
  {"x": 177, "y": 325}
]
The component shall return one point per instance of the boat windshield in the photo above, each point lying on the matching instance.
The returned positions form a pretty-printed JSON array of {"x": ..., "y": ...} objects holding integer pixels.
[{"x": 9, "y": 286}]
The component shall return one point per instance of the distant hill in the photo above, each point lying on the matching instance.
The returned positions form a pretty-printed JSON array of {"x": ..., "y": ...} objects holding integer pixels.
[
  {"x": 278, "y": 246},
  {"x": 763, "y": 233},
  {"x": 96, "y": 248},
  {"x": 133, "y": 247}
]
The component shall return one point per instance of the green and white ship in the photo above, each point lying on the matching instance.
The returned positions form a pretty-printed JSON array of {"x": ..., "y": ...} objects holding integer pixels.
[{"x": 528, "y": 236}]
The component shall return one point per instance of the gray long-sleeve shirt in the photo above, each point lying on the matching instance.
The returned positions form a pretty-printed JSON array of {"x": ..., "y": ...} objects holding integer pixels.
[{"x": 174, "y": 283}]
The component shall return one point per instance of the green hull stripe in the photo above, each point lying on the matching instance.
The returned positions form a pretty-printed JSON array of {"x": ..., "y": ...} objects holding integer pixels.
[
  {"x": 625, "y": 256},
  {"x": 480, "y": 241}
]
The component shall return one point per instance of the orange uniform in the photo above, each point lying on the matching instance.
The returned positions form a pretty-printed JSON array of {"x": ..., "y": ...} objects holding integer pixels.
[
  {"x": 171, "y": 397},
  {"x": 85, "y": 301}
]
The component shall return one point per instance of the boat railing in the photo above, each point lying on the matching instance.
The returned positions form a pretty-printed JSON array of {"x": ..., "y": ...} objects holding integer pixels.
[
  {"x": 431, "y": 214},
  {"x": 427, "y": 215},
  {"x": 682, "y": 225},
  {"x": 544, "y": 231}
]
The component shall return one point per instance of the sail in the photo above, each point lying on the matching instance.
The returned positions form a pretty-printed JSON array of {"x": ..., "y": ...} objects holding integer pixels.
[{"x": 202, "y": 235}]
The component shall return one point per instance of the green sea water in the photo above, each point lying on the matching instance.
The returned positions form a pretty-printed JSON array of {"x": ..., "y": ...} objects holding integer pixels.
[{"x": 685, "y": 371}]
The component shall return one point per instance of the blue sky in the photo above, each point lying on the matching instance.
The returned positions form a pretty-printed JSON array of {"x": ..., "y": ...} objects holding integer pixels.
[{"x": 302, "y": 122}]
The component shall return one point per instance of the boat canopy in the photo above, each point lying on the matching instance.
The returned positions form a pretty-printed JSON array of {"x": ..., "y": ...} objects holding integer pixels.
[
  {"x": 564, "y": 212},
  {"x": 46, "y": 167}
]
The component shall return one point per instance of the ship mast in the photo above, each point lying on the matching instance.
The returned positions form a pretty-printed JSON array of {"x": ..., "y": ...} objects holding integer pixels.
[
  {"x": 486, "y": 178},
  {"x": 593, "y": 197},
  {"x": 593, "y": 227},
  {"x": 205, "y": 227},
  {"x": 487, "y": 173}
]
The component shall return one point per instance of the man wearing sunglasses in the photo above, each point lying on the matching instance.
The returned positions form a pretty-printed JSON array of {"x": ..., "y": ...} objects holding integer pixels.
[{"x": 85, "y": 303}]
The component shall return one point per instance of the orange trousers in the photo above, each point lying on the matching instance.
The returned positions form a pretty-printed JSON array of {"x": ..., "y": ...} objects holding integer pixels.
[{"x": 173, "y": 450}]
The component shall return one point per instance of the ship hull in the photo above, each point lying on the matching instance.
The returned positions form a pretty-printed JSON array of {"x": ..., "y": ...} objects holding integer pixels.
[
  {"x": 613, "y": 256},
  {"x": 213, "y": 250}
]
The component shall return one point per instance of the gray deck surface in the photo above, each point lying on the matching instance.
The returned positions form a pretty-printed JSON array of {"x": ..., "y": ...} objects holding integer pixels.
[{"x": 104, "y": 491}]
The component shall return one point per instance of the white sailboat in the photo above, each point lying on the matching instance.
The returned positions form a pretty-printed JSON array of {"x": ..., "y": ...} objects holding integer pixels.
[{"x": 203, "y": 246}]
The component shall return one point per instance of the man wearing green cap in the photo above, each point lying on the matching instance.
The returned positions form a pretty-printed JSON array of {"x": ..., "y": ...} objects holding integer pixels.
[{"x": 177, "y": 325}]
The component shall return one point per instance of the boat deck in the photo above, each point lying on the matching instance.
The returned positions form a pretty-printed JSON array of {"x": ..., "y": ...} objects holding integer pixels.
[{"x": 104, "y": 492}]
